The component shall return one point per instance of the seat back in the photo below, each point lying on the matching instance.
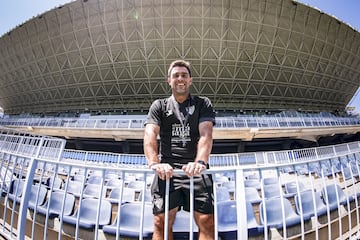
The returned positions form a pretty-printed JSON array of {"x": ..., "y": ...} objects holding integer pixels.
[
  {"x": 94, "y": 179},
  {"x": 128, "y": 195},
  {"x": 94, "y": 190},
  {"x": 270, "y": 180},
  {"x": 222, "y": 194},
  {"x": 292, "y": 187},
  {"x": 181, "y": 225},
  {"x": 37, "y": 196},
  {"x": 130, "y": 215},
  {"x": 17, "y": 187},
  {"x": 331, "y": 193},
  {"x": 227, "y": 220},
  {"x": 252, "y": 195},
  {"x": 88, "y": 211},
  {"x": 274, "y": 213},
  {"x": 304, "y": 203},
  {"x": 74, "y": 187},
  {"x": 272, "y": 190},
  {"x": 56, "y": 202}
]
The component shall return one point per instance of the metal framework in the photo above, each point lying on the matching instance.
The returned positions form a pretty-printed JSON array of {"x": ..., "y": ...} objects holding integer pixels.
[{"x": 113, "y": 54}]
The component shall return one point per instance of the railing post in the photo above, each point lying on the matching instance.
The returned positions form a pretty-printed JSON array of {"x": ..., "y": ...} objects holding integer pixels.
[
  {"x": 27, "y": 192},
  {"x": 241, "y": 205}
]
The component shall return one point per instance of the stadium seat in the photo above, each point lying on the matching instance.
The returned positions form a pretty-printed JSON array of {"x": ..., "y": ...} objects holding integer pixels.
[
  {"x": 147, "y": 196},
  {"x": 270, "y": 180},
  {"x": 252, "y": 183},
  {"x": 79, "y": 178},
  {"x": 16, "y": 189},
  {"x": 346, "y": 173},
  {"x": 128, "y": 195},
  {"x": 74, "y": 187},
  {"x": 181, "y": 226},
  {"x": 37, "y": 196},
  {"x": 114, "y": 183},
  {"x": 87, "y": 212},
  {"x": 274, "y": 190},
  {"x": 54, "y": 183},
  {"x": 55, "y": 204},
  {"x": 291, "y": 188},
  {"x": 331, "y": 193},
  {"x": 94, "y": 190},
  {"x": 227, "y": 220},
  {"x": 222, "y": 194},
  {"x": 274, "y": 213},
  {"x": 306, "y": 201},
  {"x": 252, "y": 195},
  {"x": 230, "y": 185},
  {"x": 95, "y": 179},
  {"x": 129, "y": 225},
  {"x": 137, "y": 185}
]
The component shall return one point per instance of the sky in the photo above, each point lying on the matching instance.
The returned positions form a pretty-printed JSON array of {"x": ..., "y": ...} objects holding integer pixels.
[{"x": 16, "y": 12}]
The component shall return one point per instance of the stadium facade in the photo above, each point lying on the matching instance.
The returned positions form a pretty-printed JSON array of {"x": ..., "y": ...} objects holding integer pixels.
[{"x": 90, "y": 56}]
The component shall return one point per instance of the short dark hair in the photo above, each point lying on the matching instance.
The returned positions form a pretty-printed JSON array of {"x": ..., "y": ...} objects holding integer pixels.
[{"x": 179, "y": 63}]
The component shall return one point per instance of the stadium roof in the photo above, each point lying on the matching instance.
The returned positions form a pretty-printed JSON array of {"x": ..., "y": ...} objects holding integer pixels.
[{"x": 105, "y": 55}]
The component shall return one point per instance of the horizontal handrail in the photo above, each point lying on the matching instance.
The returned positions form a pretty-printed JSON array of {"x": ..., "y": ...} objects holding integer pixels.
[{"x": 122, "y": 122}]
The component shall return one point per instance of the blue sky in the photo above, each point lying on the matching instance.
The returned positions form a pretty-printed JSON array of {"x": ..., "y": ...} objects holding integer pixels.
[{"x": 16, "y": 12}]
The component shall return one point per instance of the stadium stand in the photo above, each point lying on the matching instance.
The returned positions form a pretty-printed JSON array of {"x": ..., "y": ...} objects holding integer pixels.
[{"x": 41, "y": 197}]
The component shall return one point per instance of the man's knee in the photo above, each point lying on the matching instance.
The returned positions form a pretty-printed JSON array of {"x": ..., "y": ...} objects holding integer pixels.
[{"x": 204, "y": 221}]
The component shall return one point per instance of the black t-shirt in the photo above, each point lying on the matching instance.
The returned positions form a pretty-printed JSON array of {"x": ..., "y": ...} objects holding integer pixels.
[{"x": 179, "y": 126}]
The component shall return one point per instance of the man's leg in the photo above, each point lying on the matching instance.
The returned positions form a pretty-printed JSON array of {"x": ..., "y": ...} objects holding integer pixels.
[
  {"x": 159, "y": 224},
  {"x": 205, "y": 223}
]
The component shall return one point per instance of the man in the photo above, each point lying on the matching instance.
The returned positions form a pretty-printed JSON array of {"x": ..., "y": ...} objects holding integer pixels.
[{"x": 184, "y": 124}]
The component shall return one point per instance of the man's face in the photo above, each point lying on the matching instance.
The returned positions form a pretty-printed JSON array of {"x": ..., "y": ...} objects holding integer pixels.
[{"x": 180, "y": 81}]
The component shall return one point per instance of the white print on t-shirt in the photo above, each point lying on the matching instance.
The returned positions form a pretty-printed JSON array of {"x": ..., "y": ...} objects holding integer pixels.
[{"x": 179, "y": 133}]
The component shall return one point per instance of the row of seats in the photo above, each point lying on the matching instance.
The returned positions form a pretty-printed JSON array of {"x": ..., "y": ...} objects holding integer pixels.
[{"x": 60, "y": 204}]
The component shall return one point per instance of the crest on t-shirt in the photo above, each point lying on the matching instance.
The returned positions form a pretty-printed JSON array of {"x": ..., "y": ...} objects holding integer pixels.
[{"x": 190, "y": 109}]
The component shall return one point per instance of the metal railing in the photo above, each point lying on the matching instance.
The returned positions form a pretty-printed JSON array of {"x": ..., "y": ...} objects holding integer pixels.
[
  {"x": 32, "y": 179},
  {"x": 120, "y": 122}
]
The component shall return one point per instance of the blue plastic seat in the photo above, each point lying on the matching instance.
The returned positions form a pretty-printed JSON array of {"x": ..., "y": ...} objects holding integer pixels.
[
  {"x": 274, "y": 190},
  {"x": 331, "y": 198},
  {"x": 274, "y": 209},
  {"x": 227, "y": 220},
  {"x": 137, "y": 185},
  {"x": 270, "y": 180},
  {"x": 252, "y": 195},
  {"x": 114, "y": 183},
  {"x": 230, "y": 185},
  {"x": 94, "y": 190},
  {"x": 181, "y": 225},
  {"x": 346, "y": 173},
  {"x": 306, "y": 201},
  {"x": 253, "y": 183},
  {"x": 147, "y": 196},
  {"x": 222, "y": 194},
  {"x": 95, "y": 179},
  {"x": 55, "y": 183},
  {"x": 74, "y": 187},
  {"x": 37, "y": 195},
  {"x": 291, "y": 188},
  {"x": 129, "y": 225},
  {"x": 128, "y": 195},
  {"x": 55, "y": 204},
  {"x": 16, "y": 189},
  {"x": 87, "y": 212}
]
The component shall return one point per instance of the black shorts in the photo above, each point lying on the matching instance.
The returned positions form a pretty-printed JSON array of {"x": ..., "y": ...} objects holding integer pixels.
[{"x": 179, "y": 194}]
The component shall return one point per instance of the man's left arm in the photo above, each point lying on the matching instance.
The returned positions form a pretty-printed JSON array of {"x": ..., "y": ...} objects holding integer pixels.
[
  {"x": 205, "y": 141},
  {"x": 203, "y": 150}
]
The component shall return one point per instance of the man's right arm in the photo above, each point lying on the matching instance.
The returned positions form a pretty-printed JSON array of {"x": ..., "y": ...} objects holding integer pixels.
[
  {"x": 151, "y": 144},
  {"x": 163, "y": 170}
]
